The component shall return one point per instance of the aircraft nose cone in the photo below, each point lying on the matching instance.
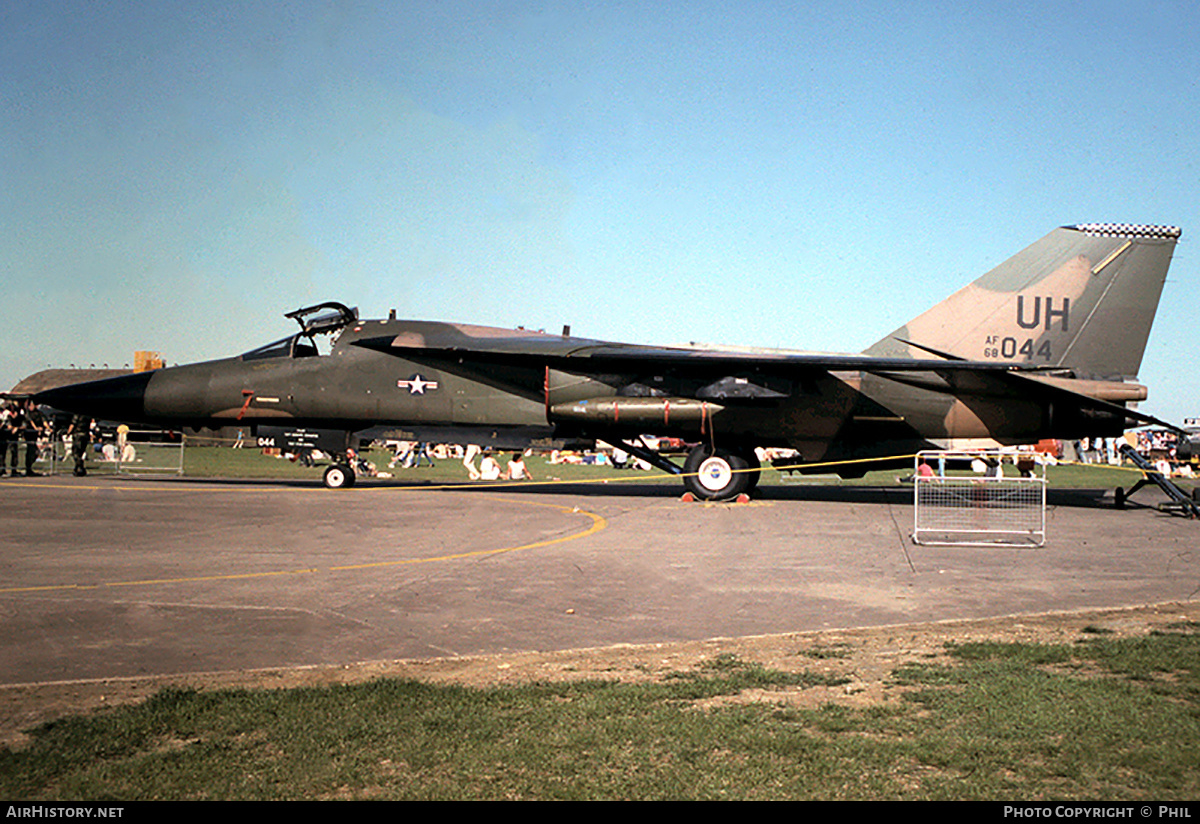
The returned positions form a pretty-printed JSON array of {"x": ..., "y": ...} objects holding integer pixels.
[{"x": 114, "y": 399}]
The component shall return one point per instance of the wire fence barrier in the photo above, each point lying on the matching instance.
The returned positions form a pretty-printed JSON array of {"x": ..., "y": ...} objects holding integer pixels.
[
  {"x": 135, "y": 452},
  {"x": 146, "y": 453},
  {"x": 988, "y": 509}
]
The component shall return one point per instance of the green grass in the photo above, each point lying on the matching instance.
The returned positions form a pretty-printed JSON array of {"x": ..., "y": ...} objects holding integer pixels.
[
  {"x": 222, "y": 462},
  {"x": 1101, "y": 719}
]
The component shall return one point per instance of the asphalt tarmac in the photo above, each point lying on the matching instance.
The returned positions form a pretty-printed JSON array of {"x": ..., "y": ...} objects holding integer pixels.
[{"x": 109, "y": 577}]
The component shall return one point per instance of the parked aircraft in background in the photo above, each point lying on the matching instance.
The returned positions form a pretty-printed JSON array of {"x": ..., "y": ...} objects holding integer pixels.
[{"x": 1043, "y": 346}]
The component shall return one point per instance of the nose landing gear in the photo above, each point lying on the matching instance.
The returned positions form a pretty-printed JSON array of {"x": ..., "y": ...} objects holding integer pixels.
[{"x": 339, "y": 476}]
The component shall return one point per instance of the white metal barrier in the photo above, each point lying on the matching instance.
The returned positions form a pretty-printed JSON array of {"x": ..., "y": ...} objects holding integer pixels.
[
  {"x": 144, "y": 453},
  {"x": 138, "y": 453},
  {"x": 956, "y": 504}
]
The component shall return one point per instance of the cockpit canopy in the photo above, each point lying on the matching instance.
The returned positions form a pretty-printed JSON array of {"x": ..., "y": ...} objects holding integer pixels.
[
  {"x": 303, "y": 344},
  {"x": 339, "y": 315}
]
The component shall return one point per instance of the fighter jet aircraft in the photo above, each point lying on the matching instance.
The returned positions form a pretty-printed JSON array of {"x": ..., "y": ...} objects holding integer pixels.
[{"x": 1043, "y": 346}]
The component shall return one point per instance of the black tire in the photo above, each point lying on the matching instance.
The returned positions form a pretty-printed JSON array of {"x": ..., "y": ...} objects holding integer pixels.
[
  {"x": 716, "y": 475},
  {"x": 339, "y": 476},
  {"x": 1119, "y": 497}
]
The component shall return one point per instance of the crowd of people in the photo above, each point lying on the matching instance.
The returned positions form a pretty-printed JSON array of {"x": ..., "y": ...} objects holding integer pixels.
[
  {"x": 20, "y": 422},
  {"x": 414, "y": 454},
  {"x": 23, "y": 423},
  {"x": 1161, "y": 447},
  {"x": 485, "y": 464}
]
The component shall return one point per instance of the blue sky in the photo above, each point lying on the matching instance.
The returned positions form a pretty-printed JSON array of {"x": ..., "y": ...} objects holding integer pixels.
[{"x": 174, "y": 176}]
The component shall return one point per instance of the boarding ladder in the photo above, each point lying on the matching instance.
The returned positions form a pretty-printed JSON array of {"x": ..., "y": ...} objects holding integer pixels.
[{"x": 1179, "y": 499}]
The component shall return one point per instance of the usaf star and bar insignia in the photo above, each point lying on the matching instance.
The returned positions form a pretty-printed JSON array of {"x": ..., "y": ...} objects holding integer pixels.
[{"x": 417, "y": 385}]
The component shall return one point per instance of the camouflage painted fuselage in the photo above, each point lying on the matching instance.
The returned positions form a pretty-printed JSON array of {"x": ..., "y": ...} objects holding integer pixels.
[
  {"x": 1042, "y": 346},
  {"x": 440, "y": 379}
]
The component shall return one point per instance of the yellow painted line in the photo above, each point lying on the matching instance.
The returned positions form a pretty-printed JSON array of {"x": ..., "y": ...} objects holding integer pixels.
[
  {"x": 598, "y": 524},
  {"x": 70, "y": 485},
  {"x": 152, "y": 581},
  {"x": 50, "y": 587},
  {"x": 201, "y": 578}
]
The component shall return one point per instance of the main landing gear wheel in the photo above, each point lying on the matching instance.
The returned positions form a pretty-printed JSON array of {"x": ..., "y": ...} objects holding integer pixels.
[
  {"x": 716, "y": 475},
  {"x": 339, "y": 476}
]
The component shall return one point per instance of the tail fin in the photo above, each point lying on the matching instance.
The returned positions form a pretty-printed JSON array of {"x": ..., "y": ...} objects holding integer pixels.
[{"x": 1083, "y": 298}]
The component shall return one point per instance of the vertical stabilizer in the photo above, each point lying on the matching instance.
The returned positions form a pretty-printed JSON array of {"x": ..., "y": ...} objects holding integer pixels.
[{"x": 1083, "y": 298}]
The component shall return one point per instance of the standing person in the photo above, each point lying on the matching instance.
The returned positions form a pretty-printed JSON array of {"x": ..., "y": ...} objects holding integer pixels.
[
  {"x": 421, "y": 450},
  {"x": 32, "y": 426},
  {"x": 80, "y": 432},
  {"x": 7, "y": 437},
  {"x": 16, "y": 424}
]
